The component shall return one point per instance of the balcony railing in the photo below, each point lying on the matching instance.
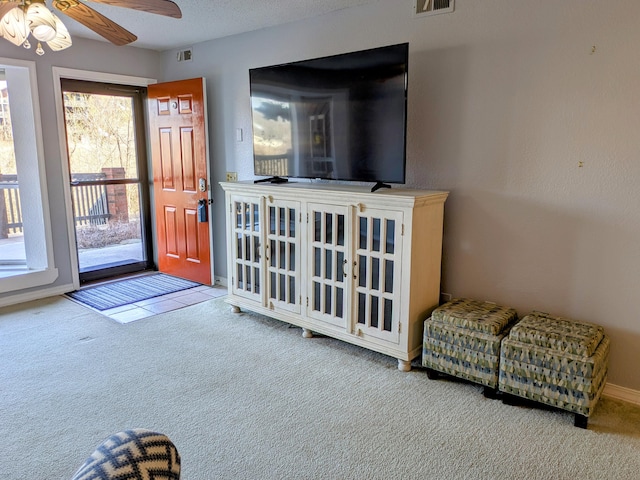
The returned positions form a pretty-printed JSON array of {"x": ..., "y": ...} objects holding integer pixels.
[
  {"x": 90, "y": 203},
  {"x": 10, "y": 208}
]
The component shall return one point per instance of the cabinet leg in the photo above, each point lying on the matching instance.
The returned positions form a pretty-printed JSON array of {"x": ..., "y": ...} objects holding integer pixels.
[
  {"x": 306, "y": 333},
  {"x": 404, "y": 365},
  {"x": 235, "y": 309}
]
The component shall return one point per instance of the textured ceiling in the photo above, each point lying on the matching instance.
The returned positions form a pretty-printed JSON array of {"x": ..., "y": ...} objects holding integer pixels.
[{"x": 207, "y": 19}]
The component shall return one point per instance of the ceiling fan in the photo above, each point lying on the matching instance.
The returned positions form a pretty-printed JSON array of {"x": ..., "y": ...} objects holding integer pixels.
[{"x": 19, "y": 18}]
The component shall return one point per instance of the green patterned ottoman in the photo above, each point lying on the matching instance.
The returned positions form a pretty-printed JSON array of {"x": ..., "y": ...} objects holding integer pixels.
[
  {"x": 555, "y": 361},
  {"x": 462, "y": 338}
]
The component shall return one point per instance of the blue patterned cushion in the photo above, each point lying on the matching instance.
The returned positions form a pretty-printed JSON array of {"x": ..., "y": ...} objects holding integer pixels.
[
  {"x": 474, "y": 315},
  {"x": 132, "y": 455}
]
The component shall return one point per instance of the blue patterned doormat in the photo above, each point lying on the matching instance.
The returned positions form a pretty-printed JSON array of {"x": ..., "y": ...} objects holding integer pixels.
[{"x": 132, "y": 290}]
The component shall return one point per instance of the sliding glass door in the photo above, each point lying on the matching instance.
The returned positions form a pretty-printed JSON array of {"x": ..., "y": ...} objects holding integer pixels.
[{"x": 108, "y": 175}]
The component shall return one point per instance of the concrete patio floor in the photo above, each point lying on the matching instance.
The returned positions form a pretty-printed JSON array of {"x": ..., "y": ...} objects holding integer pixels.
[{"x": 12, "y": 248}]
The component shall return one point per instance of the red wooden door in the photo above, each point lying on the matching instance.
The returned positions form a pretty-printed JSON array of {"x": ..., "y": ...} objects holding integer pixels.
[{"x": 179, "y": 157}]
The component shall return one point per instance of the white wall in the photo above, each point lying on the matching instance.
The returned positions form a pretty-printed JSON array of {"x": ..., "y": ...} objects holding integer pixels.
[{"x": 513, "y": 110}]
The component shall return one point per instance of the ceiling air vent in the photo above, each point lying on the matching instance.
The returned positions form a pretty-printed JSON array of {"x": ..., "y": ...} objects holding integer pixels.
[{"x": 432, "y": 7}]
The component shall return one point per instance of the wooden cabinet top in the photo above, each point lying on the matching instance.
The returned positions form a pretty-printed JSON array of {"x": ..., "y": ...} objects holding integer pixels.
[{"x": 343, "y": 193}]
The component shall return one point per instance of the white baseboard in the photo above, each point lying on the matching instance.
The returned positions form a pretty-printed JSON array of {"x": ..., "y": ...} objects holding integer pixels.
[
  {"x": 221, "y": 281},
  {"x": 622, "y": 393},
  {"x": 35, "y": 295}
]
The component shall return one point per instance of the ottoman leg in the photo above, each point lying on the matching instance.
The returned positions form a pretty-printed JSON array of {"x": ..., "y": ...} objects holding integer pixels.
[
  {"x": 432, "y": 374},
  {"x": 491, "y": 393},
  {"x": 581, "y": 421},
  {"x": 509, "y": 399}
]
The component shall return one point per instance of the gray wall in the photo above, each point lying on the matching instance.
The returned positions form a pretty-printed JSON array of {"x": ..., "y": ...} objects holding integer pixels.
[
  {"x": 511, "y": 109},
  {"x": 532, "y": 131}
]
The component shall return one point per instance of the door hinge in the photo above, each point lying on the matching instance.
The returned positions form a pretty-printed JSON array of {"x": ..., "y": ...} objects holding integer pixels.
[
  {"x": 399, "y": 327},
  {"x": 307, "y": 301},
  {"x": 402, "y": 230},
  {"x": 307, "y": 217}
]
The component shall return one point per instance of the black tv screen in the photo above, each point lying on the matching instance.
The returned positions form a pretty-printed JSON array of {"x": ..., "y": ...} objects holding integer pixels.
[{"x": 341, "y": 117}]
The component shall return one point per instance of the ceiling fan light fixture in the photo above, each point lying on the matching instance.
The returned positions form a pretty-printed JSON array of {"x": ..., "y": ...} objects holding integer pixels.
[
  {"x": 41, "y": 22},
  {"x": 13, "y": 26},
  {"x": 62, "y": 39},
  {"x": 21, "y": 18}
]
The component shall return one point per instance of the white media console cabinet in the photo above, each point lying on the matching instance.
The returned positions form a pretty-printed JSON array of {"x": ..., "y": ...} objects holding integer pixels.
[{"x": 338, "y": 260}]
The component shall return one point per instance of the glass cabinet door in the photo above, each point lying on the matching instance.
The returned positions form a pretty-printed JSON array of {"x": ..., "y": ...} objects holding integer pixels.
[
  {"x": 328, "y": 269},
  {"x": 283, "y": 254},
  {"x": 377, "y": 273},
  {"x": 246, "y": 239}
]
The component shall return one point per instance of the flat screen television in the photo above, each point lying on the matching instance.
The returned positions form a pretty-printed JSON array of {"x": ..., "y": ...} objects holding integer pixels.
[{"x": 341, "y": 117}]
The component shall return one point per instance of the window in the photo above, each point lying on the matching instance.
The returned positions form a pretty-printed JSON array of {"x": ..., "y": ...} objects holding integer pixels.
[
  {"x": 11, "y": 230},
  {"x": 26, "y": 254}
]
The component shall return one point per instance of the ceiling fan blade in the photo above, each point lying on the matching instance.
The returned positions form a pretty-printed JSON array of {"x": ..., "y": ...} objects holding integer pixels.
[
  {"x": 159, "y": 7},
  {"x": 97, "y": 22}
]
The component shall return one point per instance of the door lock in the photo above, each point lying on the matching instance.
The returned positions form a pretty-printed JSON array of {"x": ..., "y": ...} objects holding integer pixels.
[{"x": 202, "y": 184}]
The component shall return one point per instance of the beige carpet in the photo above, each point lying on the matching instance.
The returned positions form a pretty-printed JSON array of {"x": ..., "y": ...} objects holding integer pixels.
[{"x": 246, "y": 397}]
